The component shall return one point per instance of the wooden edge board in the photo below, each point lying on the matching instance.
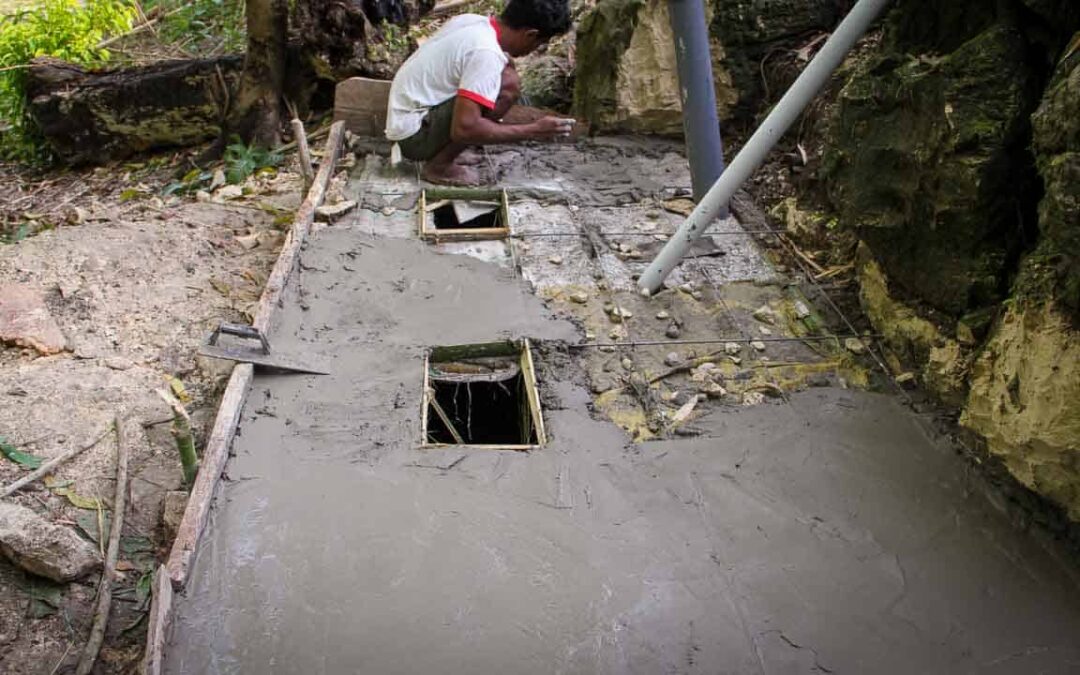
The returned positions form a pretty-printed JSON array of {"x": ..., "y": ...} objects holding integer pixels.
[
  {"x": 174, "y": 573},
  {"x": 160, "y": 613},
  {"x": 477, "y": 446},
  {"x": 533, "y": 392},
  {"x": 424, "y": 403}
]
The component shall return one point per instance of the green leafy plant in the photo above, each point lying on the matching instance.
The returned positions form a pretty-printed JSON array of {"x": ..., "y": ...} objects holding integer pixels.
[
  {"x": 214, "y": 24},
  {"x": 242, "y": 160},
  {"x": 67, "y": 29}
]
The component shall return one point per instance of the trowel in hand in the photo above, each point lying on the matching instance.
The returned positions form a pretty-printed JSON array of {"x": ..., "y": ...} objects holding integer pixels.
[{"x": 257, "y": 356}]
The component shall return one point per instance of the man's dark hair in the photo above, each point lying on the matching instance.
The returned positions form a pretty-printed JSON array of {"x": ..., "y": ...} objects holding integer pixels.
[{"x": 548, "y": 17}]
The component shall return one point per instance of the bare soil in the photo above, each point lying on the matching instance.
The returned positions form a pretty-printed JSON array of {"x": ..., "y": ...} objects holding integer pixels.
[{"x": 135, "y": 281}]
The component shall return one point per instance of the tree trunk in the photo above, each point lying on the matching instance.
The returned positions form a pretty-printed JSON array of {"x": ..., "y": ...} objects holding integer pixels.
[
  {"x": 256, "y": 113},
  {"x": 96, "y": 116}
]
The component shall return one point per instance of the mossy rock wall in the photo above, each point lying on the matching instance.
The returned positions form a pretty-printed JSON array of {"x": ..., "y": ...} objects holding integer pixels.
[
  {"x": 1025, "y": 386},
  {"x": 929, "y": 163}
]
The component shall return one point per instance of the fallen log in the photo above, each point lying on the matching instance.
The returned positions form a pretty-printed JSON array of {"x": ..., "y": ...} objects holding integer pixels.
[{"x": 94, "y": 116}]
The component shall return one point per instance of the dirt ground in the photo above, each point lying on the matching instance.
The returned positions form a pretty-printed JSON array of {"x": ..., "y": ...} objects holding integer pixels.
[{"x": 134, "y": 281}]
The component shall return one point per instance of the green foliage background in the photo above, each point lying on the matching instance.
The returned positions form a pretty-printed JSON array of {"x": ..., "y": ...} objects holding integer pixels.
[{"x": 67, "y": 29}]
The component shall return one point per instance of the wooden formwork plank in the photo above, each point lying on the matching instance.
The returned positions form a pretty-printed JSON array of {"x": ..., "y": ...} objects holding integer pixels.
[{"x": 174, "y": 574}]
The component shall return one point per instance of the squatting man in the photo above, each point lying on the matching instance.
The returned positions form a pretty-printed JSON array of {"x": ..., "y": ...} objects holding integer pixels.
[{"x": 455, "y": 89}]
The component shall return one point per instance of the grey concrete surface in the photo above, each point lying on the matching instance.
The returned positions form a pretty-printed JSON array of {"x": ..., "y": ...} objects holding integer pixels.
[{"x": 825, "y": 535}]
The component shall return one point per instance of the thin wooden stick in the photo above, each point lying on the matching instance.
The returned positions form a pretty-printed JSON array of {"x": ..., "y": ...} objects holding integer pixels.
[
  {"x": 104, "y": 600},
  {"x": 305, "y": 154},
  {"x": 445, "y": 419},
  {"x": 49, "y": 466}
]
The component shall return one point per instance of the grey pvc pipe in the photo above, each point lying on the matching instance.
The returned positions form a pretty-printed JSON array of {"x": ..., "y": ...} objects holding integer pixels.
[
  {"x": 802, "y": 92},
  {"x": 704, "y": 147}
]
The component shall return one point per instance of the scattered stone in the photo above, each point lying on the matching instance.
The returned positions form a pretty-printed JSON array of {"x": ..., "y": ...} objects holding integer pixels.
[
  {"x": 25, "y": 321},
  {"x": 627, "y": 364},
  {"x": 758, "y": 345},
  {"x": 750, "y": 398},
  {"x": 713, "y": 390},
  {"x": 606, "y": 348},
  {"x": 673, "y": 331},
  {"x": 701, "y": 373},
  {"x": 218, "y": 180},
  {"x": 801, "y": 310},
  {"x": 818, "y": 380},
  {"x": 202, "y": 196},
  {"x": 765, "y": 330},
  {"x": 653, "y": 215},
  {"x": 619, "y": 314},
  {"x": 663, "y": 314},
  {"x": 673, "y": 359},
  {"x": 660, "y": 237},
  {"x": 329, "y": 213},
  {"x": 388, "y": 211},
  {"x": 766, "y": 314},
  {"x": 555, "y": 260},
  {"x": 44, "y": 548},
  {"x": 230, "y": 192},
  {"x": 855, "y": 345},
  {"x": 590, "y": 336},
  {"x": 687, "y": 288},
  {"x": 735, "y": 359},
  {"x": 697, "y": 295},
  {"x": 173, "y": 512},
  {"x": 119, "y": 363},
  {"x": 732, "y": 348},
  {"x": 906, "y": 380},
  {"x": 681, "y": 398},
  {"x": 602, "y": 285},
  {"x": 580, "y": 297}
]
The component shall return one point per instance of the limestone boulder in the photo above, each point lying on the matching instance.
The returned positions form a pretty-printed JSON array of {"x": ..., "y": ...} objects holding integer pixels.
[
  {"x": 1025, "y": 389},
  {"x": 1025, "y": 386},
  {"x": 44, "y": 548},
  {"x": 929, "y": 163},
  {"x": 627, "y": 79}
]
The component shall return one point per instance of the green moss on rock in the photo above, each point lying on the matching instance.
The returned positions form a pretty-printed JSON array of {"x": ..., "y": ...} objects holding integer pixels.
[{"x": 929, "y": 164}]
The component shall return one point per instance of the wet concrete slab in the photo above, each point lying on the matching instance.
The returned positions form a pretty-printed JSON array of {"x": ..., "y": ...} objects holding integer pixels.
[{"x": 825, "y": 534}]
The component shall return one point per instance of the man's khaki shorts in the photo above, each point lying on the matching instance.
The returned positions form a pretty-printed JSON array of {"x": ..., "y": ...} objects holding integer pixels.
[{"x": 434, "y": 134}]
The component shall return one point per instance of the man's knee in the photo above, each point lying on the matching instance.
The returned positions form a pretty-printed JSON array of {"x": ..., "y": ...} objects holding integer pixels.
[{"x": 511, "y": 82}]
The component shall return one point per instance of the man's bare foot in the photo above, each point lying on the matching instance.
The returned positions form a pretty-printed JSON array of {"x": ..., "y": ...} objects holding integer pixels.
[
  {"x": 453, "y": 174},
  {"x": 469, "y": 158}
]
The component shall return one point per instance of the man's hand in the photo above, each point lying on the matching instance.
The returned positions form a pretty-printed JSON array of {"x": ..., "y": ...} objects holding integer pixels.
[{"x": 552, "y": 128}]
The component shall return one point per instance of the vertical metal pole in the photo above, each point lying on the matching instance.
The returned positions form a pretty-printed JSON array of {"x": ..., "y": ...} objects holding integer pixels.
[
  {"x": 698, "y": 94},
  {"x": 753, "y": 154}
]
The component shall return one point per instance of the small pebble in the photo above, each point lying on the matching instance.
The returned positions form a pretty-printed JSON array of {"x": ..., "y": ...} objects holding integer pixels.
[
  {"x": 673, "y": 359},
  {"x": 732, "y": 348},
  {"x": 697, "y": 295},
  {"x": 713, "y": 390},
  {"x": 388, "y": 210},
  {"x": 590, "y": 336},
  {"x": 735, "y": 359},
  {"x": 855, "y": 345},
  {"x": 627, "y": 364},
  {"x": 758, "y": 345},
  {"x": 660, "y": 237},
  {"x": 663, "y": 314},
  {"x": 118, "y": 363},
  {"x": 555, "y": 260},
  {"x": 673, "y": 331},
  {"x": 906, "y": 380},
  {"x": 580, "y": 297},
  {"x": 801, "y": 310},
  {"x": 606, "y": 348},
  {"x": 687, "y": 288},
  {"x": 764, "y": 330}
]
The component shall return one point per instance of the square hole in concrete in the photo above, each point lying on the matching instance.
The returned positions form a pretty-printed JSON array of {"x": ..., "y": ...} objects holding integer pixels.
[
  {"x": 482, "y": 395},
  {"x": 457, "y": 214}
]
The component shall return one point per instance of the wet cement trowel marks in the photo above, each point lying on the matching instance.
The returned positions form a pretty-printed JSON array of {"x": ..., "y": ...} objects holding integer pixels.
[{"x": 827, "y": 535}]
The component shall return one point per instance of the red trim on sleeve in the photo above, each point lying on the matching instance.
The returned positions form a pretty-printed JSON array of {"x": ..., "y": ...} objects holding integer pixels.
[
  {"x": 495, "y": 27},
  {"x": 476, "y": 98}
]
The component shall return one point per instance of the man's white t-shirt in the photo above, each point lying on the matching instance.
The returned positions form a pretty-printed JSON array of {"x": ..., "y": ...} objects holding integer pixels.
[{"x": 462, "y": 59}]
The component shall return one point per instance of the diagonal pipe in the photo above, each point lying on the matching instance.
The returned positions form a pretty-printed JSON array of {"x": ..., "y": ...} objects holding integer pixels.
[{"x": 753, "y": 155}]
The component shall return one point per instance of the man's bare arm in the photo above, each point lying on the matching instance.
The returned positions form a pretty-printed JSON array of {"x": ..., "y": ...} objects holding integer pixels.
[{"x": 471, "y": 127}]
